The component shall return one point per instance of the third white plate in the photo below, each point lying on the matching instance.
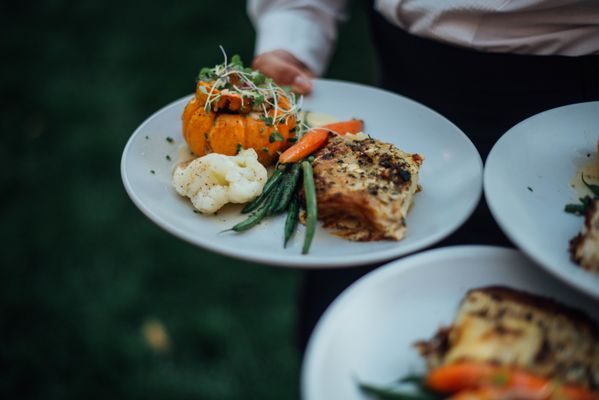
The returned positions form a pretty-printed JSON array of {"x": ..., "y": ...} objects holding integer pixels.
[{"x": 527, "y": 184}]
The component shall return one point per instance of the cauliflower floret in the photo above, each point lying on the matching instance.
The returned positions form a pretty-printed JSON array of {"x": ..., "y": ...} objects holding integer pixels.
[{"x": 214, "y": 180}]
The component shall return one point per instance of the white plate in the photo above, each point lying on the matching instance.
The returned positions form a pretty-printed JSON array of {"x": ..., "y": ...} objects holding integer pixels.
[
  {"x": 543, "y": 153},
  {"x": 451, "y": 178},
  {"x": 369, "y": 330}
]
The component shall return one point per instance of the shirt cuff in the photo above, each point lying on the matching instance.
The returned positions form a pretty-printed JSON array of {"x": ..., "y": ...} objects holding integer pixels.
[{"x": 308, "y": 36}]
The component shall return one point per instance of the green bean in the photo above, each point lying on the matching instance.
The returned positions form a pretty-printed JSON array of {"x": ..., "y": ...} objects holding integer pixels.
[
  {"x": 311, "y": 211},
  {"x": 251, "y": 221},
  {"x": 288, "y": 184},
  {"x": 276, "y": 194},
  {"x": 270, "y": 184},
  {"x": 292, "y": 218},
  {"x": 256, "y": 217}
]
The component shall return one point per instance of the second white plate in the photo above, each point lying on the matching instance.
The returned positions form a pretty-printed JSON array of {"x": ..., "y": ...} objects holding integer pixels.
[
  {"x": 369, "y": 331},
  {"x": 527, "y": 185}
]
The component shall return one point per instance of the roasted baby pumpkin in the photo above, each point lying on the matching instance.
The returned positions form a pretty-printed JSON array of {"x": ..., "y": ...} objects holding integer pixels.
[{"x": 229, "y": 123}]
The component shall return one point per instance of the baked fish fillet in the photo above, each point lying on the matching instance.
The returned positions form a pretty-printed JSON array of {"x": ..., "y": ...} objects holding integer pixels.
[
  {"x": 517, "y": 329},
  {"x": 584, "y": 248},
  {"x": 364, "y": 187}
]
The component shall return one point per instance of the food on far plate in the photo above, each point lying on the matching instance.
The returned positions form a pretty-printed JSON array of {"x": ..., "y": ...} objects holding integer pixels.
[
  {"x": 364, "y": 187},
  {"x": 584, "y": 247},
  {"x": 238, "y": 108},
  {"x": 215, "y": 179},
  {"x": 509, "y": 344}
]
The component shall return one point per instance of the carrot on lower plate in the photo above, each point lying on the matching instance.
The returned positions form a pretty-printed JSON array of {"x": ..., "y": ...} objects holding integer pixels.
[
  {"x": 546, "y": 393},
  {"x": 316, "y": 138},
  {"x": 473, "y": 376}
]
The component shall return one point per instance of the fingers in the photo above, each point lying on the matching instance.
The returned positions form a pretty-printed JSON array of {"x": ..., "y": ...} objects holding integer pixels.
[
  {"x": 301, "y": 84},
  {"x": 285, "y": 69}
]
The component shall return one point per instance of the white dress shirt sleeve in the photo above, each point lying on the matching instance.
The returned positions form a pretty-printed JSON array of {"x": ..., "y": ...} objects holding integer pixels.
[{"x": 305, "y": 28}]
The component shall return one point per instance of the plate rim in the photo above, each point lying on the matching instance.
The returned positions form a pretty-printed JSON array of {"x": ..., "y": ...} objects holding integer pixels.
[
  {"x": 573, "y": 280},
  {"x": 313, "y": 261}
]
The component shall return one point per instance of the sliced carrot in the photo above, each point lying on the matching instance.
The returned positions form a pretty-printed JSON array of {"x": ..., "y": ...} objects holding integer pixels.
[
  {"x": 316, "y": 138},
  {"x": 545, "y": 393},
  {"x": 484, "y": 393},
  {"x": 459, "y": 376},
  {"x": 576, "y": 393},
  {"x": 343, "y": 127},
  {"x": 312, "y": 140},
  {"x": 471, "y": 376}
]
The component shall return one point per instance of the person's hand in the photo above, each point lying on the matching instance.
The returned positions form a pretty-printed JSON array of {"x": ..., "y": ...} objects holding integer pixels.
[{"x": 285, "y": 70}]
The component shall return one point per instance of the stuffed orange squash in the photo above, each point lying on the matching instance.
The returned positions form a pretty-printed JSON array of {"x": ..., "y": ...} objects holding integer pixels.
[{"x": 237, "y": 108}]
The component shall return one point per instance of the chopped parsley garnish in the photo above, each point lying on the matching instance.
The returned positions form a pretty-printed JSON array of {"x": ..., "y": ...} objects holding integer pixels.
[
  {"x": 239, "y": 148},
  {"x": 275, "y": 137},
  {"x": 585, "y": 202},
  {"x": 581, "y": 208},
  {"x": 264, "y": 149},
  {"x": 152, "y": 171},
  {"x": 168, "y": 157},
  {"x": 169, "y": 139}
]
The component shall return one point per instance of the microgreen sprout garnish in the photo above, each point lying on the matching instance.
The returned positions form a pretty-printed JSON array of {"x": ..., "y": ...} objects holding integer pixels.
[{"x": 262, "y": 94}]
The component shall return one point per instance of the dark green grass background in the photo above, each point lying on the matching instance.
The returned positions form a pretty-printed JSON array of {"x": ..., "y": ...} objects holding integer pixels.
[{"x": 81, "y": 269}]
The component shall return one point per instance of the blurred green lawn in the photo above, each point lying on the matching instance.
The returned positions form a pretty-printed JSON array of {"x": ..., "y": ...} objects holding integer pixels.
[{"x": 82, "y": 270}]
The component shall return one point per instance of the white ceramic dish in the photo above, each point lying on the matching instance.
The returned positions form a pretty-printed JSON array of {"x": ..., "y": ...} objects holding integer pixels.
[
  {"x": 527, "y": 185},
  {"x": 451, "y": 177},
  {"x": 369, "y": 330}
]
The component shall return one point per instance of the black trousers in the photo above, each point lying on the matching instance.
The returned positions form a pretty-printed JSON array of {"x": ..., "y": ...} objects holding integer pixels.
[{"x": 484, "y": 94}]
